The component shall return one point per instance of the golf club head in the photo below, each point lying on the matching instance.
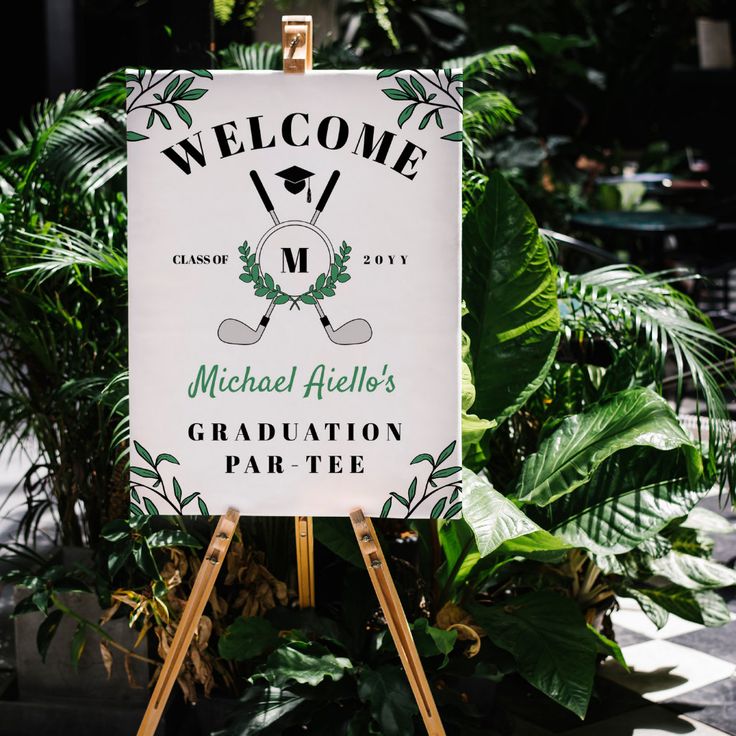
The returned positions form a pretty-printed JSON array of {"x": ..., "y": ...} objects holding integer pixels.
[
  {"x": 235, "y": 332},
  {"x": 354, "y": 332}
]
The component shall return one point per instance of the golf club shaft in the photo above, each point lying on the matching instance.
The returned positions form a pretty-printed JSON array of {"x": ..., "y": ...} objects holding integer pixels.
[
  {"x": 263, "y": 194},
  {"x": 267, "y": 316},
  {"x": 325, "y": 196}
]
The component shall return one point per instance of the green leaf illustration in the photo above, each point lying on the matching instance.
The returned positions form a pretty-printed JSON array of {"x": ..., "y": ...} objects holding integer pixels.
[
  {"x": 193, "y": 94},
  {"x": 407, "y": 88},
  {"x": 203, "y": 507},
  {"x": 396, "y": 94},
  {"x": 386, "y": 508},
  {"x": 406, "y": 113},
  {"x": 438, "y": 508},
  {"x": 456, "y": 136},
  {"x": 150, "y": 507},
  {"x": 133, "y": 136},
  {"x": 454, "y": 510},
  {"x": 446, "y": 453},
  {"x": 400, "y": 499},
  {"x": 425, "y": 120},
  {"x": 446, "y": 472},
  {"x": 183, "y": 87},
  {"x": 202, "y": 73},
  {"x": 387, "y": 73},
  {"x": 177, "y": 489},
  {"x": 419, "y": 87},
  {"x": 412, "y": 490},
  {"x": 171, "y": 86},
  {"x": 143, "y": 472},
  {"x": 421, "y": 458},
  {"x": 189, "y": 499},
  {"x": 143, "y": 452},
  {"x": 183, "y": 114},
  {"x": 164, "y": 457},
  {"x": 164, "y": 120}
]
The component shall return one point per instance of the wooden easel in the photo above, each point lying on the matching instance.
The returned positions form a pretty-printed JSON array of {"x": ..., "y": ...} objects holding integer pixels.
[{"x": 296, "y": 39}]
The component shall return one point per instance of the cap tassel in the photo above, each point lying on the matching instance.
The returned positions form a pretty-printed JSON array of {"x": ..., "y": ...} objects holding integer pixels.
[{"x": 309, "y": 190}]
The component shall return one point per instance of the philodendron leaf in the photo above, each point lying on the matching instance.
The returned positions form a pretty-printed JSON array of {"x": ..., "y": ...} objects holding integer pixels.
[
  {"x": 491, "y": 516},
  {"x": 338, "y": 536},
  {"x": 701, "y": 606},
  {"x": 548, "y": 637},
  {"x": 630, "y": 498},
  {"x": 708, "y": 521},
  {"x": 568, "y": 457},
  {"x": 509, "y": 286},
  {"x": 304, "y": 663},
  {"x": 247, "y": 638},
  {"x": 386, "y": 693},
  {"x": 265, "y": 710},
  {"x": 693, "y": 573}
]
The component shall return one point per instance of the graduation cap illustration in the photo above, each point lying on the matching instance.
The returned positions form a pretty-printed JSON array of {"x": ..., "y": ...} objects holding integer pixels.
[{"x": 294, "y": 180}]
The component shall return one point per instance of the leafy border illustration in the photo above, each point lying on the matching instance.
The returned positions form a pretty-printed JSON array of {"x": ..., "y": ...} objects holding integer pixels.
[
  {"x": 448, "y": 96},
  {"x": 158, "y": 487},
  {"x": 266, "y": 286},
  {"x": 431, "y": 488},
  {"x": 176, "y": 92}
]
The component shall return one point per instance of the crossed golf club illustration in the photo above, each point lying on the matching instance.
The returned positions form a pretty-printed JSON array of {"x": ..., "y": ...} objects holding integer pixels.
[{"x": 353, "y": 332}]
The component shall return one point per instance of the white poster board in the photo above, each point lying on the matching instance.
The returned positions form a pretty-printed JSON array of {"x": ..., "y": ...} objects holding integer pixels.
[{"x": 294, "y": 258}]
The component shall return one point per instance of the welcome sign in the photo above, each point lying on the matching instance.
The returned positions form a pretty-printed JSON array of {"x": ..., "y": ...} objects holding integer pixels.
[{"x": 294, "y": 257}]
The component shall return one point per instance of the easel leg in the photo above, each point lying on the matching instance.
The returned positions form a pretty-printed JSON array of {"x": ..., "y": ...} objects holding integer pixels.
[
  {"x": 305, "y": 560},
  {"x": 396, "y": 618},
  {"x": 203, "y": 584}
]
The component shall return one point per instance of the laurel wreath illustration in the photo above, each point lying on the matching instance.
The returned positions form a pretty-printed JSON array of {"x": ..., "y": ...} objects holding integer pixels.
[
  {"x": 152, "y": 492},
  {"x": 265, "y": 285},
  {"x": 439, "y": 479},
  {"x": 426, "y": 95}
]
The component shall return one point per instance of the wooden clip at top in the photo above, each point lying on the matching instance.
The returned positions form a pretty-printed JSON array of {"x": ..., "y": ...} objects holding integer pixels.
[
  {"x": 393, "y": 611},
  {"x": 296, "y": 42}
]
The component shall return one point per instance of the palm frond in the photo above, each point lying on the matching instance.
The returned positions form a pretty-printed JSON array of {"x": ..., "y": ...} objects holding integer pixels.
[
  {"x": 69, "y": 139},
  {"x": 485, "y": 115},
  {"x": 256, "y": 56},
  {"x": 628, "y": 308},
  {"x": 61, "y": 248},
  {"x": 498, "y": 62},
  {"x": 87, "y": 149}
]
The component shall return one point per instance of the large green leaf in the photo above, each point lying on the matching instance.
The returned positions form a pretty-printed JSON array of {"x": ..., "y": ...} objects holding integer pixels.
[
  {"x": 691, "y": 572},
  {"x": 338, "y": 536},
  {"x": 630, "y": 498},
  {"x": 305, "y": 663},
  {"x": 509, "y": 286},
  {"x": 568, "y": 457},
  {"x": 246, "y": 638},
  {"x": 387, "y": 695},
  {"x": 264, "y": 710},
  {"x": 701, "y": 606},
  {"x": 549, "y": 639},
  {"x": 491, "y": 516}
]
